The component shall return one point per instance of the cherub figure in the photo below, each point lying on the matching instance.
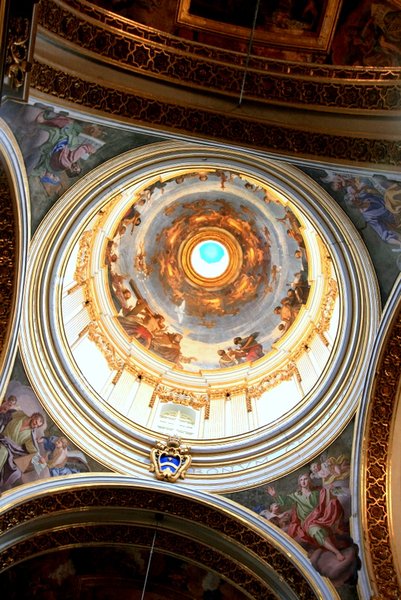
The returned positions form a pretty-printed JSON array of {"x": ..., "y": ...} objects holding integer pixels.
[
  {"x": 225, "y": 359},
  {"x": 60, "y": 459},
  {"x": 7, "y": 409},
  {"x": 331, "y": 470}
]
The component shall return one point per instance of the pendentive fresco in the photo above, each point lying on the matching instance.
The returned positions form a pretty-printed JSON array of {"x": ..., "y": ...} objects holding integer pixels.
[
  {"x": 32, "y": 447},
  {"x": 313, "y": 506}
]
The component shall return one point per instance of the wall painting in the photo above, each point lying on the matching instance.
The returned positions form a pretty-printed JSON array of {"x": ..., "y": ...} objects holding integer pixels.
[
  {"x": 373, "y": 203},
  {"x": 313, "y": 506},
  {"x": 32, "y": 447},
  {"x": 58, "y": 149}
]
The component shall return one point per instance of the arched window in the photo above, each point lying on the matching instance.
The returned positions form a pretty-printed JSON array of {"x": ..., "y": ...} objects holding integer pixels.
[{"x": 179, "y": 420}]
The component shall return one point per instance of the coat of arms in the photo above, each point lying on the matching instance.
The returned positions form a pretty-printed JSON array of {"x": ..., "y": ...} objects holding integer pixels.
[{"x": 170, "y": 460}]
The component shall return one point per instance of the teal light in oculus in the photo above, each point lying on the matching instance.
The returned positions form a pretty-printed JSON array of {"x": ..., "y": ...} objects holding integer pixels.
[
  {"x": 211, "y": 252},
  {"x": 210, "y": 259}
]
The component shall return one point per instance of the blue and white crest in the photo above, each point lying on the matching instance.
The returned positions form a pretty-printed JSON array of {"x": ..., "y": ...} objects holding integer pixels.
[{"x": 170, "y": 460}]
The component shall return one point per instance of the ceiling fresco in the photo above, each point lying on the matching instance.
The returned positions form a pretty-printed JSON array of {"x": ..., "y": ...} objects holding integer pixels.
[
  {"x": 193, "y": 317},
  {"x": 372, "y": 201},
  {"x": 181, "y": 290},
  {"x": 303, "y": 15},
  {"x": 306, "y": 23},
  {"x": 313, "y": 506},
  {"x": 358, "y": 33}
]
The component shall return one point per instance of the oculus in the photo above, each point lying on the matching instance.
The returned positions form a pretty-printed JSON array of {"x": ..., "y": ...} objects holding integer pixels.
[{"x": 209, "y": 259}]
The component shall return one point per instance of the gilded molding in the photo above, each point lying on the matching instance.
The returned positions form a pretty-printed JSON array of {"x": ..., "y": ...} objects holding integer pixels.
[
  {"x": 328, "y": 308},
  {"x": 14, "y": 241},
  {"x": 81, "y": 272},
  {"x": 377, "y": 456},
  {"x": 323, "y": 325},
  {"x": 186, "y": 120},
  {"x": 184, "y": 397},
  {"x": 160, "y": 55},
  {"x": 254, "y": 392},
  {"x": 81, "y": 500},
  {"x": 8, "y": 250},
  {"x": 17, "y": 33},
  {"x": 109, "y": 352},
  {"x": 17, "y": 65},
  {"x": 112, "y": 20}
]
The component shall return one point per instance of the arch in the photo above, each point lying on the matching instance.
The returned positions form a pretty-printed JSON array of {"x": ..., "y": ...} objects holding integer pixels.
[
  {"x": 377, "y": 483},
  {"x": 14, "y": 240},
  {"x": 214, "y": 532}
]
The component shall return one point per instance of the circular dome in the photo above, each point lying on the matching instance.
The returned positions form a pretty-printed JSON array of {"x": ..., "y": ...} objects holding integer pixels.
[
  {"x": 209, "y": 272},
  {"x": 202, "y": 293}
]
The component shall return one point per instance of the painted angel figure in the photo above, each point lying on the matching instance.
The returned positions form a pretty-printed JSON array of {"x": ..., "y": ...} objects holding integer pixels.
[
  {"x": 331, "y": 469},
  {"x": 334, "y": 473},
  {"x": 248, "y": 349},
  {"x": 61, "y": 460}
]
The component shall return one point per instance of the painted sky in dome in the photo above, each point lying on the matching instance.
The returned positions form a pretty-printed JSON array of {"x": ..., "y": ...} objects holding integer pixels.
[{"x": 194, "y": 324}]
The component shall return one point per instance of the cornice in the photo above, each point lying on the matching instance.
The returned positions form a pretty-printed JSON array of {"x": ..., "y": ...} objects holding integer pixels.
[
  {"x": 130, "y": 46},
  {"x": 110, "y": 39},
  {"x": 137, "y": 107}
]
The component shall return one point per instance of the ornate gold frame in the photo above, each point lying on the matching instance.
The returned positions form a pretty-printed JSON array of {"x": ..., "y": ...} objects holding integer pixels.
[
  {"x": 289, "y": 39},
  {"x": 228, "y": 241},
  {"x": 379, "y": 481},
  {"x": 15, "y": 229}
]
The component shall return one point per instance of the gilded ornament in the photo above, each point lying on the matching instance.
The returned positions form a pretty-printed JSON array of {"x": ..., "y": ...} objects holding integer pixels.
[
  {"x": 289, "y": 83},
  {"x": 179, "y": 396},
  {"x": 7, "y": 257},
  {"x": 81, "y": 272},
  {"x": 108, "y": 351},
  {"x": 17, "y": 64},
  {"x": 170, "y": 460},
  {"x": 383, "y": 402},
  {"x": 255, "y": 391}
]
